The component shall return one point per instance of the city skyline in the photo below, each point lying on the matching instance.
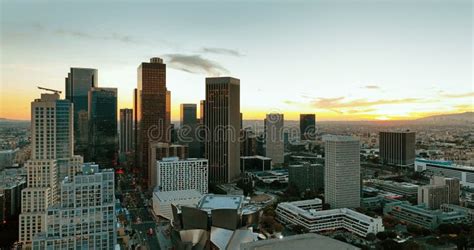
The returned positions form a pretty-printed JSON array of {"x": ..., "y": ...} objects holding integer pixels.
[{"x": 384, "y": 70}]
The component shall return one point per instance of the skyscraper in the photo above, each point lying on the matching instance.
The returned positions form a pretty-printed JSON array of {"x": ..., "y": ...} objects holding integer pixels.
[
  {"x": 78, "y": 83},
  {"x": 342, "y": 171},
  {"x": 307, "y": 126},
  {"x": 103, "y": 141},
  {"x": 189, "y": 124},
  {"x": 85, "y": 217},
  {"x": 222, "y": 119},
  {"x": 397, "y": 148},
  {"x": 126, "y": 130},
  {"x": 51, "y": 158},
  {"x": 188, "y": 114},
  {"x": 152, "y": 111},
  {"x": 274, "y": 145}
]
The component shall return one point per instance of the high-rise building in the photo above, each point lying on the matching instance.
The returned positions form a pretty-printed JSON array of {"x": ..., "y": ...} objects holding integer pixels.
[
  {"x": 342, "y": 171},
  {"x": 51, "y": 158},
  {"x": 103, "y": 140},
  {"x": 85, "y": 217},
  {"x": 440, "y": 191},
  {"x": 274, "y": 144},
  {"x": 188, "y": 115},
  {"x": 126, "y": 130},
  {"x": 78, "y": 83},
  {"x": 307, "y": 126},
  {"x": 151, "y": 108},
  {"x": 248, "y": 144},
  {"x": 222, "y": 120},
  {"x": 135, "y": 127},
  {"x": 397, "y": 148},
  {"x": 306, "y": 176},
  {"x": 188, "y": 136},
  {"x": 174, "y": 174},
  {"x": 160, "y": 150}
]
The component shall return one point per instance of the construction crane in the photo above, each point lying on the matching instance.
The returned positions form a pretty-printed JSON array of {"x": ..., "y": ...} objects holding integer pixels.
[{"x": 52, "y": 90}]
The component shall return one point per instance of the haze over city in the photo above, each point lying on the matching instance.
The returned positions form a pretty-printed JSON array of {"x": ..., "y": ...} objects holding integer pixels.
[{"x": 344, "y": 60}]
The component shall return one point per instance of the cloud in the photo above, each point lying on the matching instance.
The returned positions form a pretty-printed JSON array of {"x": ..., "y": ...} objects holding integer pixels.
[
  {"x": 340, "y": 103},
  {"x": 221, "y": 51},
  {"x": 112, "y": 37},
  {"x": 371, "y": 87},
  {"x": 460, "y": 95},
  {"x": 195, "y": 64}
]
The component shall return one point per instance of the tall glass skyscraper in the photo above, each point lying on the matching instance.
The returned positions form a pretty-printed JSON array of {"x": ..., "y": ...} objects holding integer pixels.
[
  {"x": 78, "y": 83},
  {"x": 152, "y": 109},
  {"x": 307, "y": 126},
  {"x": 222, "y": 119},
  {"x": 103, "y": 140}
]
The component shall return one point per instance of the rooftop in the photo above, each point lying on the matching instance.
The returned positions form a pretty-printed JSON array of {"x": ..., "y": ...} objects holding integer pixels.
[
  {"x": 340, "y": 138},
  {"x": 298, "y": 242},
  {"x": 177, "y": 195},
  {"x": 215, "y": 201}
]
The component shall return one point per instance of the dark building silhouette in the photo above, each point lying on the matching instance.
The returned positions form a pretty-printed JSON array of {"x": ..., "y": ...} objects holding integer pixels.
[
  {"x": 103, "y": 140},
  {"x": 188, "y": 129},
  {"x": 397, "y": 148},
  {"x": 126, "y": 130},
  {"x": 222, "y": 119},
  {"x": 152, "y": 109},
  {"x": 307, "y": 126},
  {"x": 78, "y": 83}
]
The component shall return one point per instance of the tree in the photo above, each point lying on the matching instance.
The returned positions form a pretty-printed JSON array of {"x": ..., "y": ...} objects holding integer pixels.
[
  {"x": 371, "y": 237},
  {"x": 381, "y": 235},
  {"x": 391, "y": 234},
  {"x": 414, "y": 229}
]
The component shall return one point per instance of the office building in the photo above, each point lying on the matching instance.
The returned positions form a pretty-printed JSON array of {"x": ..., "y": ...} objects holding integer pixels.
[
  {"x": 42, "y": 169},
  {"x": 78, "y": 83},
  {"x": 456, "y": 208},
  {"x": 421, "y": 216},
  {"x": 7, "y": 158},
  {"x": 248, "y": 143},
  {"x": 274, "y": 145},
  {"x": 308, "y": 126},
  {"x": 342, "y": 171},
  {"x": 465, "y": 174},
  {"x": 307, "y": 176},
  {"x": 432, "y": 196},
  {"x": 397, "y": 148},
  {"x": 126, "y": 130},
  {"x": 188, "y": 129},
  {"x": 222, "y": 120},
  {"x": 151, "y": 108},
  {"x": 174, "y": 174},
  {"x": 255, "y": 163},
  {"x": 408, "y": 190},
  {"x": 85, "y": 217},
  {"x": 453, "y": 188},
  {"x": 103, "y": 136},
  {"x": 440, "y": 191},
  {"x": 308, "y": 214},
  {"x": 11, "y": 186},
  {"x": 159, "y": 151}
]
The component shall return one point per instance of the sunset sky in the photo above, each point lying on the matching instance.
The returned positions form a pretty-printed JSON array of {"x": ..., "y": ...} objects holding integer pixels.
[{"x": 343, "y": 60}]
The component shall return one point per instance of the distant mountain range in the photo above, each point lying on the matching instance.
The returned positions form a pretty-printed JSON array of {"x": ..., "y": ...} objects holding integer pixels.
[{"x": 467, "y": 117}]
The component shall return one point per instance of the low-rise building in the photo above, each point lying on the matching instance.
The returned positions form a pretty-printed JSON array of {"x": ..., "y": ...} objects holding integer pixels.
[
  {"x": 421, "y": 216},
  {"x": 255, "y": 163},
  {"x": 162, "y": 201},
  {"x": 406, "y": 189},
  {"x": 465, "y": 174},
  {"x": 308, "y": 214},
  {"x": 298, "y": 242},
  {"x": 307, "y": 176}
]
